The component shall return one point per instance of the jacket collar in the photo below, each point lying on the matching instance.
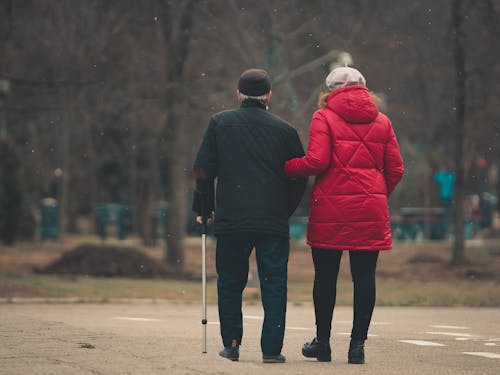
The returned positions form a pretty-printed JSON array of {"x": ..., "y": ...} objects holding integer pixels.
[{"x": 247, "y": 103}]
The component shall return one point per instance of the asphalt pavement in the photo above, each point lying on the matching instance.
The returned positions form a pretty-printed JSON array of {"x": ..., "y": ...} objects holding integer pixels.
[{"x": 148, "y": 337}]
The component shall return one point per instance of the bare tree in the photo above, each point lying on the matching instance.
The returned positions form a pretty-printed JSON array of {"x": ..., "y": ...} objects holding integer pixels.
[
  {"x": 146, "y": 105},
  {"x": 460, "y": 105},
  {"x": 177, "y": 22}
]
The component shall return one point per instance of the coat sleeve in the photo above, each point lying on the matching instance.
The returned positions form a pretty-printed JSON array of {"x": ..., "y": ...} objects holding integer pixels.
[
  {"x": 205, "y": 164},
  {"x": 204, "y": 197},
  {"x": 393, "y": 162},
  {"x": 296, "y": 186},
  {"x": 205, "y": 172},
  {"x": 318, "y": 155}
]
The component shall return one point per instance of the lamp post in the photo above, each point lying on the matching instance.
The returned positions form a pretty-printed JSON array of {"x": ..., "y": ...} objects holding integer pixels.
[{"x": 4, "y": 92}]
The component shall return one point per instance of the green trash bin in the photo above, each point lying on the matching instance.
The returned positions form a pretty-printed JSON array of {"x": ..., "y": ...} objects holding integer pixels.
[
  {"x": 115, "y": 214},
  {"x": 49, "y": 219},
  {"x": 102, "y": 219}
]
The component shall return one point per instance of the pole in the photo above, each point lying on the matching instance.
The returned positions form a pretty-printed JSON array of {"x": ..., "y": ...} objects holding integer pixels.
[{"x": 204, "y": 278}]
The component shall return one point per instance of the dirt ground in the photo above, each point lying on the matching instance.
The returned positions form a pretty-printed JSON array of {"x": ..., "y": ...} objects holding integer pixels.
[
  {"x": 107, "y": 261},
  {"x": 415, "y": 261}
]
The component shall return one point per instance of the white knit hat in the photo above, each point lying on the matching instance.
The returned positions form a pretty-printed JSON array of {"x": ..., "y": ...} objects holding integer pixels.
[{"x": 344, "y": 76}]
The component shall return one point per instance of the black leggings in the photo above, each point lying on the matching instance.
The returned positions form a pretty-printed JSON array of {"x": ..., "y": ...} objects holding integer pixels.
[{"x": 326, "y": 266}]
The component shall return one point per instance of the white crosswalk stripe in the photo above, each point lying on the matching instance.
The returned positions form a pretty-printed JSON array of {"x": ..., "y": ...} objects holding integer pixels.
[
  {"x": 448, "y": 327},
  {"x": 484, "y": 354},
  {"x": 421, "y": 343},
  {"x": 457, "y": 334}
]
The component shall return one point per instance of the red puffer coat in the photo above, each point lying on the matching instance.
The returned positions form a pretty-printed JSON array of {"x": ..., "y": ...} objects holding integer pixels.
[{"x": 354, "y": 153}]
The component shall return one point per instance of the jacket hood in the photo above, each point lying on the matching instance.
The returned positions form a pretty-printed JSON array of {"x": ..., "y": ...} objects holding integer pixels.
[{"x": 354, "y": 104}]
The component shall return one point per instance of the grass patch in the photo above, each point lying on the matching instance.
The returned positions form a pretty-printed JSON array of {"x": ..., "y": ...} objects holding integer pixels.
[
  {"x": 435, "y": 293},
  {"x": 472, "y": 293},
  {"x": 99, "y": 289},
  {"x": 389, "y": 292}
]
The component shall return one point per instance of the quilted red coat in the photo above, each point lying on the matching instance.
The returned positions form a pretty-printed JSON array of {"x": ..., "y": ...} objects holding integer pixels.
[{"x": 354, "y": 153}]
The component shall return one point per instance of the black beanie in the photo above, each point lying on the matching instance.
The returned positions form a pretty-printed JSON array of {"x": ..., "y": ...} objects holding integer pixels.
[{"x": 254, "y": 82}]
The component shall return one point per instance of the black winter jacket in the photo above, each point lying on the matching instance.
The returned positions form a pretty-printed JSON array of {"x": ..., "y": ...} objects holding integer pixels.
[{"x": 245, "y": 149}]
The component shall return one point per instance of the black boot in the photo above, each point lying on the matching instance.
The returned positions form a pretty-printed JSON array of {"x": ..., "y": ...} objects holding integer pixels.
[
  {"x": 317, "y": 349},
  {"x": 356, "y": 353},
  {"x": 231, "y": 352}
]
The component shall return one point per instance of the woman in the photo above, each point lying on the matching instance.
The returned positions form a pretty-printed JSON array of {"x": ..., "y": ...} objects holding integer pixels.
[{"x": 354, "y": 153}]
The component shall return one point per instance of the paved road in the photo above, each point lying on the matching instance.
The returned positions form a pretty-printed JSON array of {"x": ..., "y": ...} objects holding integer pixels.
[{"x": 165, "y": 338}]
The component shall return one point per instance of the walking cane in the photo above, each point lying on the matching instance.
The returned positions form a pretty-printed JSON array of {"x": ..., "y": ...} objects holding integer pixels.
[{"x": 204, "y": 277}]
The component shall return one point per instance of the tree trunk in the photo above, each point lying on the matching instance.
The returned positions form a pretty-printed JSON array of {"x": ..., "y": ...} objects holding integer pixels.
[
  {"x": 92, "y": 172},
  {"x": 425, "y": 112},
  {"x": 427, "y": 203},
  {"x": 460, "y": 107},
  {"x": 65, "y": 178},
  {"x": 147, "y": 224},
  {"x": 178, "y": 203},
  {"x": 177, "y": 26},
  {"x": 146, "y": 219},
  {"x": 133, "y": 178}
]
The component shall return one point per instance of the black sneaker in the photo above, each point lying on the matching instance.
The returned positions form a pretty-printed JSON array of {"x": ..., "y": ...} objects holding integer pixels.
[
  {"x": 231, "y": 352},
  {"x": 317, "y": 349},
  {"x": 356, "y": 353},
  {"x": 280, "y": 358}
]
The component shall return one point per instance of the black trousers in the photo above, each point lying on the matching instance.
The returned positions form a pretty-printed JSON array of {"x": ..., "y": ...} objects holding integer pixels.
[
  {"x": 326, "y": 266},
  {"x": 232, "y": 255}
]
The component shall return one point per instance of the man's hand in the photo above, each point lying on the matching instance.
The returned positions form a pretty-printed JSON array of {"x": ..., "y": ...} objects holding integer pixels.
[{"x": 210, "y": 219}]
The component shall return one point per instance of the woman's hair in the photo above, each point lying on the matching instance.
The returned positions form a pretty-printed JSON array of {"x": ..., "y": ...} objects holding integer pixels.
[{"x": 323, "y": 97}]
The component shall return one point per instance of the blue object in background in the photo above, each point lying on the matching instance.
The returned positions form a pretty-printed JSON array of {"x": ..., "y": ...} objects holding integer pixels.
[
  {"x": 49, "y": 219},
  {"x": 298, "y": 227},
  {"x": 411, "y": 224},
  {"x": 446, "y": 182}
]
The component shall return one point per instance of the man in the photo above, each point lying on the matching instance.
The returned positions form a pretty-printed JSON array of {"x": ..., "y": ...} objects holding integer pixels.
[{"x": 245, "y": 149}]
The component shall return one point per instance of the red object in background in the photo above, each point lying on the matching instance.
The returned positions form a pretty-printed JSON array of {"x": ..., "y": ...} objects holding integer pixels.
[{"x": 481, "y": 162}]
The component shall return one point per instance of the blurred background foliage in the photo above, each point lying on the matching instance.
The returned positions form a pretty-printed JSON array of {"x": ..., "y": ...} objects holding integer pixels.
[{"x": 108, "y": 100}]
